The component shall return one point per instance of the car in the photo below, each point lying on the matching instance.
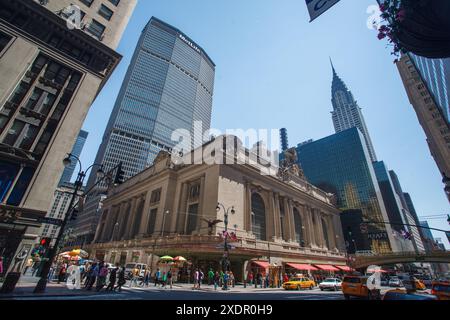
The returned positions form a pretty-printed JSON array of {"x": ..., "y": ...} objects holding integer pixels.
[
  {"x": 441, "y": 289},
  {"x": 334, "y": 284},
  {"x": 399, "y": 294},
  {"x": 356, "y": 286},
  {"x": 394, "y": 282},
  {"x": 299, "y": 283}
]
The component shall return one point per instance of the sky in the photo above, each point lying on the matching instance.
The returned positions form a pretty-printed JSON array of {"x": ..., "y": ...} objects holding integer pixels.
[{"x": 273, "y": 71}]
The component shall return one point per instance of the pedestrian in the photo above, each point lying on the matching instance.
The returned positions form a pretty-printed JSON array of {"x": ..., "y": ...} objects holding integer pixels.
[
  {"x": 157, "y": 277},
  {"x": 221, "y": 278},
  {"x": 196, "y": 279},
  {"x": 28, "y": 265},
  {"x": 285, "y": 278},
  {"x": 134, "y": 277},
  {"x": 169, "y": 278},
  {"x": 102, "y": 274},
  {"x": 121, "y": 279},
  {"x": 112, "y": 278},
  {"x": 216, "y": 280},
  {"x": 146, "y": 280},
  {"x": 210, "y": 276},
  {"x": 62, "y": 273},
  {"x": 164, "y": 280},
  {"x": 201, "y": 276},
  {"x": 94, "y": 275},
  {"x": 225, "y": 281},
  {"x": 250, "y": 277},
  {"x": 232, "y": 280}
]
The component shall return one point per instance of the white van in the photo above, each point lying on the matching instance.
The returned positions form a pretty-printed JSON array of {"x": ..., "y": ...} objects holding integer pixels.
[{"x": 129, "y": 267}]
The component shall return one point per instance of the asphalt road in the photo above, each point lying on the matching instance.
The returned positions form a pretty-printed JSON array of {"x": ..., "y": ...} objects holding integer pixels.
[{"x": 153, "y": 293}]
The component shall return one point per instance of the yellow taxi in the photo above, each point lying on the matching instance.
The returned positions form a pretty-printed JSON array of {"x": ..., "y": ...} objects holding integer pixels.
[
  {"x": 419, "y": 284},
  {"x": 298, "y": 283},
  {"x": 441, "y": 289},
  {"x": 356, "y": 286}
]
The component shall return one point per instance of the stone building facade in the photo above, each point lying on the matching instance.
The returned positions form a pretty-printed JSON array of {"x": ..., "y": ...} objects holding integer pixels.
[
  {"x": 170, "y": 210},
  {"x": 50, "y": 73}
]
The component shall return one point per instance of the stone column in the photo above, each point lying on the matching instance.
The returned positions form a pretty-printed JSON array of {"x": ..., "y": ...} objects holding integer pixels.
[
  {"x": 270, "y": 217},
  {"x": 182, "y": 209},
  {"x": 290, "y": 215},
  {"x": 277, "y": 221},
  {"x": 248, "y": 208},
  {"x": 321, "y": 237},
  {"x": 145, "y": 215},
  {"x": 311, "y": 227},
  {"x": 123, "y": 220},
  {"x": 306, "y": 230},
  {"x": 201, "y": 207},
  {"x": 131, "y": 218}
]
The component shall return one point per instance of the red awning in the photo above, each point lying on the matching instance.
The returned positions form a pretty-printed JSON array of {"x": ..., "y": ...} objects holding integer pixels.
[
  {"x": 301, "y": 267},
  {"x": 326, "y": 267},
  {"x": 262, "y": 264},
  {"x": 344, "y": 268}
]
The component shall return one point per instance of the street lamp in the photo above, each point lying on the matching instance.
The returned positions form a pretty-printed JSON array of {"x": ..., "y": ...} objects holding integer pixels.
[
  {"x": 42, "y": 284},
  {"x": 225, "y": 260}
]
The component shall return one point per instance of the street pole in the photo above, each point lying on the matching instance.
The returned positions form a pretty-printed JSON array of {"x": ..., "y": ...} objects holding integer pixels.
[
  {"x": 42, "y": 284},
  {"x": 51, "y": 255},
  {"x": 225, "y": 259}
]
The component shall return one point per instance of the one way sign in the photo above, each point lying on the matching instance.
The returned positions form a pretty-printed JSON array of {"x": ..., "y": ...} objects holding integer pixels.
[{"x": 318, "y": 7}]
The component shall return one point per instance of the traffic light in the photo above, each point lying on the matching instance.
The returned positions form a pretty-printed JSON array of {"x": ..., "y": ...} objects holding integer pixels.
[
  {"x": 45, "y": 242},
  {"x": 120, "y": 175}
]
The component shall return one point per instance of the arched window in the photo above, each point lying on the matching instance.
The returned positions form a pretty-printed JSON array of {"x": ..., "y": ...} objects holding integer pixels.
[
  {"x": 325, "y": 233},
  {"x": 258, "y": 217},
  {"x": 299, "y": 236}
]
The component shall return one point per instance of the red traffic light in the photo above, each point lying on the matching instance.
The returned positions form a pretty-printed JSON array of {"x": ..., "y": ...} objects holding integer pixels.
[{"x": 45, "y": 242}]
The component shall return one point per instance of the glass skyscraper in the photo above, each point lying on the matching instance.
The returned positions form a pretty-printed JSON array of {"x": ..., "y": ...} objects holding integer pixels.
[
  {"x": 76, "y": 151},
  {"x": 436, "y": 74},
  {"x": 341, "y": 164},
  {"x": 169, "y": 85},
  {"x": 347, "y": 113}
]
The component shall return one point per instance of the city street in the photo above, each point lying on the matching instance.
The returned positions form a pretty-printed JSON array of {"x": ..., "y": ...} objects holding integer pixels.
[{"x": 185, "y": 292}]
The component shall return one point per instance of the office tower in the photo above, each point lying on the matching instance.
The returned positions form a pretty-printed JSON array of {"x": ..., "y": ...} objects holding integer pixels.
[
  {"x": 411, "y": 207},
  {"x": 435, "y": 73},
  {"x": 168, "y": 86},
  {"x": 347, "y": 113},
  {"x": 425, "y": 87},
  {"x": 341, "y": 164},
  {"x": 76, "y": 151},
  {"x": 49, "y": 76},
  {"x": 284, "y": 139},
  {"x": 398, "y": 212}
]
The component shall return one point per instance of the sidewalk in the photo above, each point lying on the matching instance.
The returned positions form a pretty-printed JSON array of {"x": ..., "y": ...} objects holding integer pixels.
[{"x": 25, "y": 290}]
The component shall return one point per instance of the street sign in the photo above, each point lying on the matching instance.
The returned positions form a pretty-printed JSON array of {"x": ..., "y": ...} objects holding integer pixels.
[
  {"x": 318, "y": 7},
  {"x": 52, "y": 221}
]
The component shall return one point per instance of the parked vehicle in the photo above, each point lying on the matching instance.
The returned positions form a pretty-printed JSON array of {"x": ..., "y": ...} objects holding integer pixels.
[
  {"x": 334, "y": 284},
  {"x": 356, "y": 286}
]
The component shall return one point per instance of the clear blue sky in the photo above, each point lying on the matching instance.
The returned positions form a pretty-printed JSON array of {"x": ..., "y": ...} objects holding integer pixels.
[{"x": 273, "y": 71}]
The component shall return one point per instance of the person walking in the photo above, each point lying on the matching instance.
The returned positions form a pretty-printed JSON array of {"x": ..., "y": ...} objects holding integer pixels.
[
  {"x": 250, "y": 278},
  {"x": 112, "y": 278},
  {"x": 28, "y": 265},
  {"x": 226, "y": 278},
  {"x": 232, "y": 279},
  {"x": 146, "y": 280},
  {"x": 93, "y": 276},
  {"x": 62, "y": 273},
  {"x": 157, "y": 277},
  {"x": 201, "y": 276},
  {"x": 134, "y": 277},
  {"x": 196, "y": 279},
  {"x": 216, "y": 280},
  {"x": 164, "y": 280},
  {"x": 169, "y": 278},
  {"x": 121, "y": 279},
  {"x": 102, "y": 274},
  {"x": 210, "y": 277}
]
